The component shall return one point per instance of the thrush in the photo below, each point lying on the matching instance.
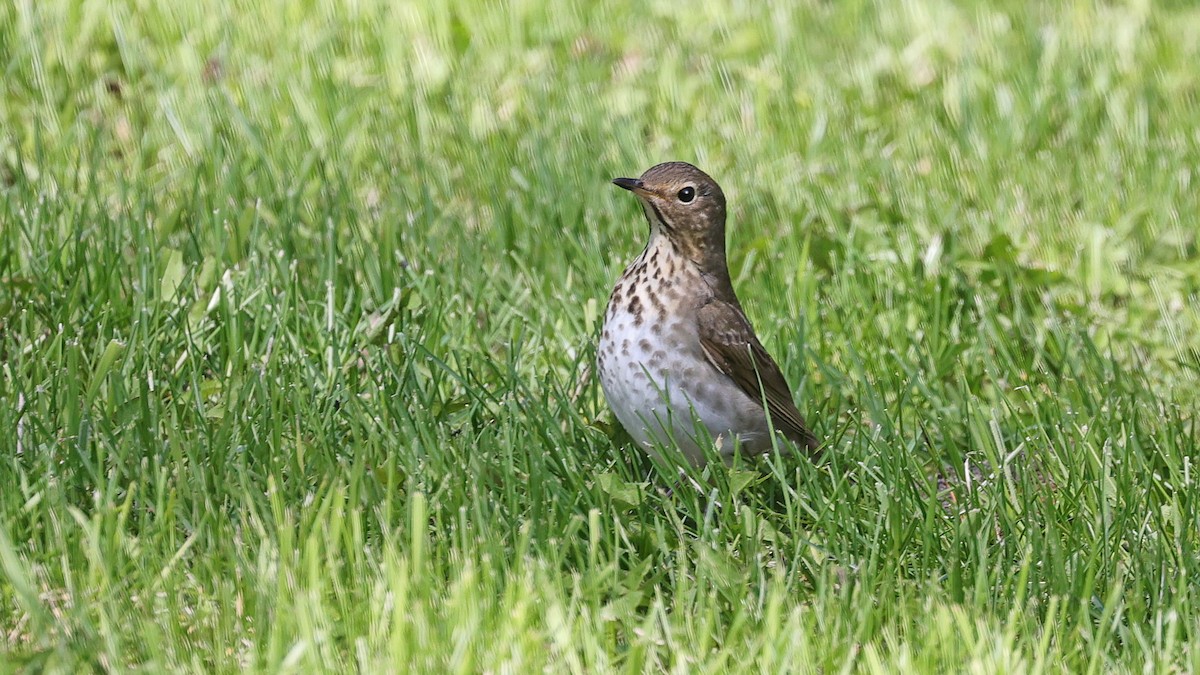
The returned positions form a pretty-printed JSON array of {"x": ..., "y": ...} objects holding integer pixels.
[{"x": 678, "y": 359}]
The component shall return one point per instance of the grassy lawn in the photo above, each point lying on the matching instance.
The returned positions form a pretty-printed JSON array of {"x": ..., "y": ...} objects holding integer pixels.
[{"x": 298, "y": 302}]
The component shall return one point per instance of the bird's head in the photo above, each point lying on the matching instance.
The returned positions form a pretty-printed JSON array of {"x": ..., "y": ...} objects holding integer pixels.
[{"x": 685, "y": 204}]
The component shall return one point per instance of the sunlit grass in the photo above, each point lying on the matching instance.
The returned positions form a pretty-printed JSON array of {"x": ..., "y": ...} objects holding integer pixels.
[{"x": 297, "y": 302}]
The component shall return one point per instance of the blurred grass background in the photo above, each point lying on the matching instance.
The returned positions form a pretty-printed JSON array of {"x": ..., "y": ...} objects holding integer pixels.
[{"x": 296, "y": 300}]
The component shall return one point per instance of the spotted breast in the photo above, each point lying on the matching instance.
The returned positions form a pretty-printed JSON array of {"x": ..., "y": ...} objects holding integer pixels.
[{"x": 653, "y": 369}]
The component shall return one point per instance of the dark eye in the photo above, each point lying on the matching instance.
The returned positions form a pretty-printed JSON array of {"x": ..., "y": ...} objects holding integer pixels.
[{"x": 687, "y": 194}]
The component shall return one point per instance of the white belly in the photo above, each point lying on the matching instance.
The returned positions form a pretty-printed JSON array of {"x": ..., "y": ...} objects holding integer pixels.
[{"x": 665, "y": 393}]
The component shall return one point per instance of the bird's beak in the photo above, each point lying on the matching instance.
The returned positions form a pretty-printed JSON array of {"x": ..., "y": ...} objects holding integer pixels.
[{"x": 634, "y": 185}]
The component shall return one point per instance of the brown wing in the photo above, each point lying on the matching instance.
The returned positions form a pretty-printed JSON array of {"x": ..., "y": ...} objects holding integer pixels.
[{"x": 732, "y": 347}]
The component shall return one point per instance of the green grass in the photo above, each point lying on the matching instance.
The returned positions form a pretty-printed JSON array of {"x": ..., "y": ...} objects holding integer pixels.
[{"x": 297, "y": 302}]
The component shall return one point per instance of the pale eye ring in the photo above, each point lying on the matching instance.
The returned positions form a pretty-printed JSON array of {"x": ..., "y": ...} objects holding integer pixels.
[{"x": 687, "y": 194}]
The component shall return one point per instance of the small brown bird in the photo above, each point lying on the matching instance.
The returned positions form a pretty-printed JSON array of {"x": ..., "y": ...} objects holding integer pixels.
[{"x": 676, "y": 348}]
